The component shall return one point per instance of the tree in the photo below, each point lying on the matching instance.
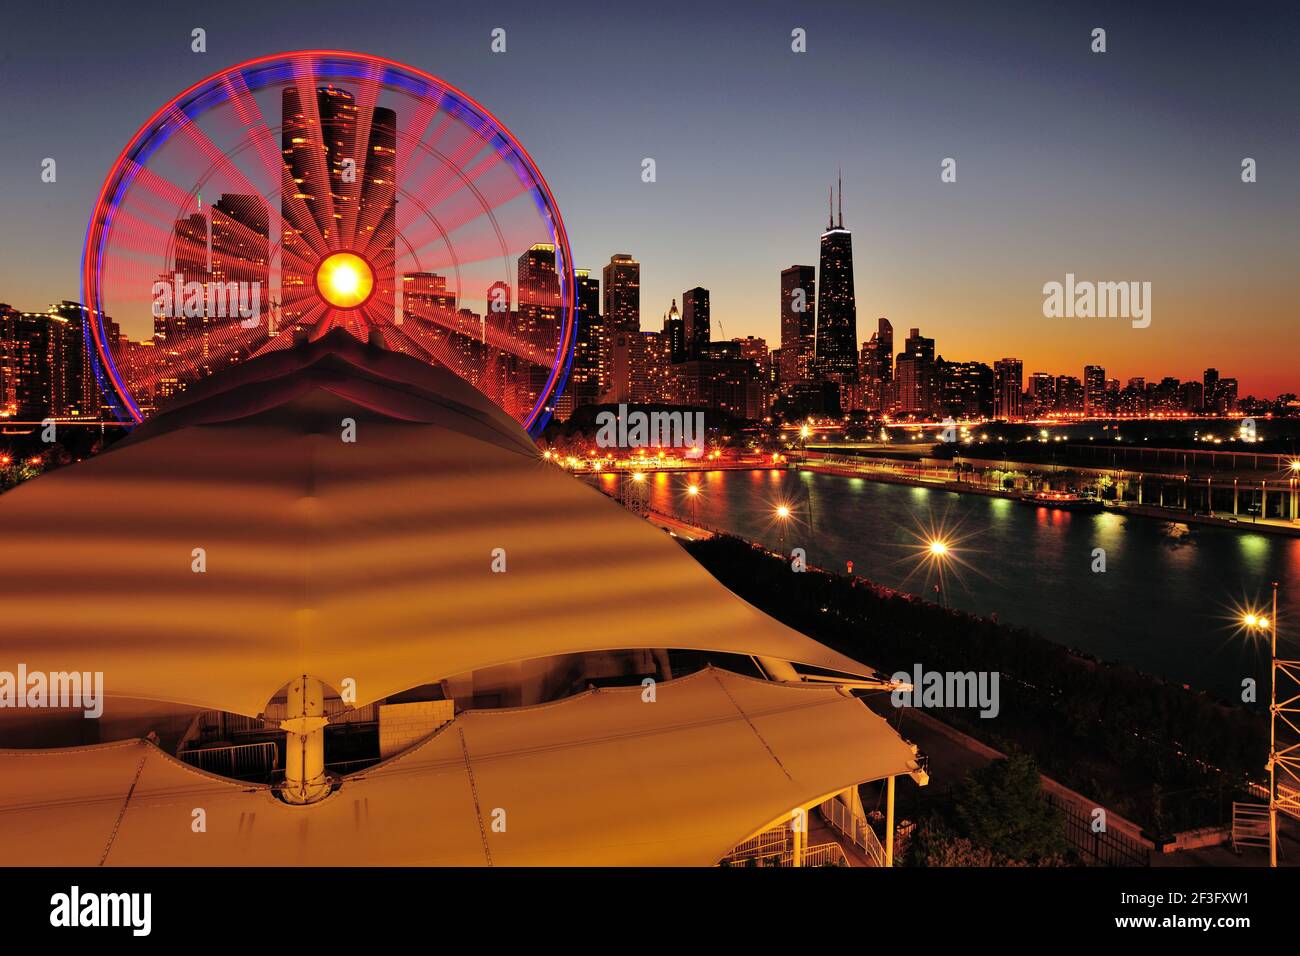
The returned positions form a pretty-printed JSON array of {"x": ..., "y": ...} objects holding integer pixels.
[{"x": 1001, "y": 807}]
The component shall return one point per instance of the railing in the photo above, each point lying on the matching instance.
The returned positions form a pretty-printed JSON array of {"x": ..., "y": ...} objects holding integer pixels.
[
  {"x": 1288, "y": 798},
  {"x": 774, "y": 842},
  {"x": 1104, "y": 848},
  {"x": 237, "y": 725},
  {"x": 823, "y": 854},
  {"x": 1250, "y": 825},
  {"x": 775, "y": 847},
  {"x": 855, "y": 828},
  {"x": 236, "y": 760}
]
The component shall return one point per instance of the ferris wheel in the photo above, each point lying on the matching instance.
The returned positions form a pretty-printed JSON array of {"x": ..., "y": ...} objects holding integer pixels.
[{"x": 293, "y": 194}]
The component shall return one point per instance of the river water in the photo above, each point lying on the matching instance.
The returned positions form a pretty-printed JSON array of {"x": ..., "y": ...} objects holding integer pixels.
[{"x": 1167, "y": 602}]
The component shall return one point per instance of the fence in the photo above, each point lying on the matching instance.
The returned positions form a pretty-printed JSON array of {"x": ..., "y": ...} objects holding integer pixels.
[
  {"x": 243, "y": 761},
  {"x": 777, "y": 841},
  {"x": 775, "y": 847},
  {"x": 1104, "y": 848},
  {"x": 1250, "y": 825},
  {"x": 218, "y": 723},
  {"x": 1288, "y": 798},
  {"x": 823, "y": 854}
]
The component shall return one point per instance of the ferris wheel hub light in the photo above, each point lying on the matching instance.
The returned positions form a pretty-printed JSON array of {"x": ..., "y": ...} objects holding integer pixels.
[{"x": 345, "y": 280}]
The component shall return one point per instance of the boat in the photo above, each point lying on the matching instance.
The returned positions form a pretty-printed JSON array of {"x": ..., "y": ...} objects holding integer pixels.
[{"x": 1065, "y": 500}]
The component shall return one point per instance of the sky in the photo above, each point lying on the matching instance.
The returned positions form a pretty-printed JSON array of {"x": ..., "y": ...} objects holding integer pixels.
[{"x": 1115, "y": 166}]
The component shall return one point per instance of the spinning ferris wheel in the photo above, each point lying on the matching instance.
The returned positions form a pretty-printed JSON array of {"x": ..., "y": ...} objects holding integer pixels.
[{"x": 297, "y": 193}]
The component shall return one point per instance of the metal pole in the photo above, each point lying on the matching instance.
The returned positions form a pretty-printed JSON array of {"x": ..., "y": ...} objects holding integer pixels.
[
  {"x": 889, "y": 823},
  {"x": 1272, "y": 743},
  {"x": 798, "y": 824}
]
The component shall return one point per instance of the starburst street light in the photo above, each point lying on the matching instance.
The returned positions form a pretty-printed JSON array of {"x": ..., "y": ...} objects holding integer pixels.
[
  {"x": 782, "y": 516},
  {"x": 938, "y": 550},
  {"x": 693, "y": 492},
  {"x": 1288, "y": 758}
]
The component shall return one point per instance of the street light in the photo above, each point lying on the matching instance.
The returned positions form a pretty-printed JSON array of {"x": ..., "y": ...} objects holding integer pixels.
[
  {"x": 638, "y": 480},
  {"x": 783, "y": 515},
  {"x": 939, "y": 553},
  {"x": 693, "y": 492},
  {"x": 1258, "y": 622}
]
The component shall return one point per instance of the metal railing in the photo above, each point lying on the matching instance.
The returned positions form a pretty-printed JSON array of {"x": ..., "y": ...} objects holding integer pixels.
[
  {"x": 775, "y": 847},
  {"x": 774, "y": 842},
  {"x": 214, "y": 722},
  {"x": 1288, "y": 798},
  {"x": 1101, "y": 848},
  {"x": 236, "y": 760},
  {"x": 823, "y": 854},
  {"x": 855, "y": 828},
  {"x": 1250, "y": 825}
]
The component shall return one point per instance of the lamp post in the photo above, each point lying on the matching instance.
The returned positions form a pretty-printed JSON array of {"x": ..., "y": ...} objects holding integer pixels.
[
  {"x": 638, "y": 485},
  {"x": 1272, "y": 736},
  {"x": 782, "y": 516},
  {"x": 1257, "y": 622},
  {"x": 693, "y": 492},
  {"x": 938, "y": 550}
]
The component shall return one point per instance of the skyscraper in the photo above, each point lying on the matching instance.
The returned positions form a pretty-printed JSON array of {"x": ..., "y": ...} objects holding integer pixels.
[
  {"x": 877, "y": 363},
  {"x": 695, "y": 316},
  {"x": 1042, "y": 391},
  {"x": 1008, "y": 388},
  {"x": 539, "y": 294},
  {"x": 622, "y": 277},
  {"x": 539, "y": 318},
  {"x": 1210, "y": 389},
  {"x": 241, "y": 252},
  {"x": 964, "y": 389},
  {"x": 29, "y": 345},
  {"x": 675, "y": 334},
  {"x": 429, "y": 323},
  {"x": 798, "y": 323},
  {"x": 837, "y": 317},
  {"x": 587, "y": 379},
  {"x": 241, "y": 241},
  {"x": 1094, "y": 390},
  {"x": 916, "y": 375}
]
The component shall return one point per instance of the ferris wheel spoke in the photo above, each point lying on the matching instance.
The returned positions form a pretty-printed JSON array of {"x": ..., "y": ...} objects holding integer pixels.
[
  {"x": 424, "y": 228},
  {"x": 418, "y": 131},
  {"x": 319, "y": 179},
  {"x": 363, "y": 151},
  {"x": 293, "y": 212}
]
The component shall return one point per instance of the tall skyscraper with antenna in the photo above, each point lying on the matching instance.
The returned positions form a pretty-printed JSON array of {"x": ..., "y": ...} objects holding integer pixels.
[{"x": 837, "y": 314}]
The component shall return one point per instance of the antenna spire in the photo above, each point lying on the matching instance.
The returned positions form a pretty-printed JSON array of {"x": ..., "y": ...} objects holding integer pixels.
[
  {"x": 840, "y": 177},
  {"x": 830, "y": 208}
]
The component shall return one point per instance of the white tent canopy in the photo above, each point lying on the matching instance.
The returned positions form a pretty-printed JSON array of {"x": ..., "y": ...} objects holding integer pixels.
[
  {"x": 367, "y": 560},
  {"x": 605, "y": 778}
]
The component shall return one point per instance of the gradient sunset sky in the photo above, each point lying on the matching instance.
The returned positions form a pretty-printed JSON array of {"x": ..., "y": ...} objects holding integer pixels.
[{"x": 1119, "y": 166}]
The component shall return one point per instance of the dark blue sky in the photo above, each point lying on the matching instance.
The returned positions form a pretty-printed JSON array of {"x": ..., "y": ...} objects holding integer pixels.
[{"x": 1114, "y": 167}]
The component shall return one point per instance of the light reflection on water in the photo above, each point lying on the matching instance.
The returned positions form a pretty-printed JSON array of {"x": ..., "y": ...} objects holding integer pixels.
[{"x": 1164, "y": 603}]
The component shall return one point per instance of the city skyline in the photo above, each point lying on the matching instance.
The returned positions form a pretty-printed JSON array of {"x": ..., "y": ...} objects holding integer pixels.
[
  {"x": 1040, "y": 190},
  {"x": 894, "y": 396}
]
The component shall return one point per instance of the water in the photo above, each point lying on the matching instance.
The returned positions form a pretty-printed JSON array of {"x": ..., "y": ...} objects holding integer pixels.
[{"x": 1168, "y": 601}]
